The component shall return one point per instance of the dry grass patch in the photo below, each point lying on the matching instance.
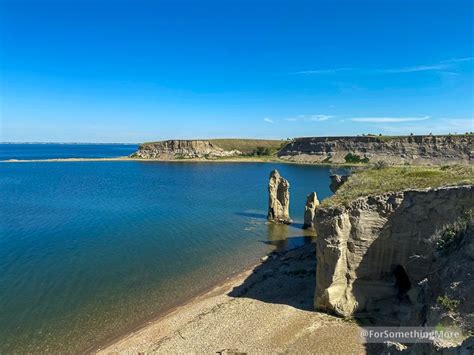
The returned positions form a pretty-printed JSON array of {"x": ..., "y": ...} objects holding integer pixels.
[{"x": 374, "y": 181}]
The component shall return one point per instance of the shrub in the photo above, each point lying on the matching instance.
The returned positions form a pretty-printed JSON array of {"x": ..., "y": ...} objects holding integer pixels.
[
  {"x": 452, "y": 233},
  {"x": 354, "y": 158},
  {"x": 447, "y": 303},
  {"x": 260, "y": 151}
]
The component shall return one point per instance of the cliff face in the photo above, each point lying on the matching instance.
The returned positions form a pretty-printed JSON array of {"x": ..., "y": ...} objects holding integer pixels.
[
  {"x": 181, "y": 149},
  {"x": 382, "y": 255},
  {"x": 420, "y": 150}
]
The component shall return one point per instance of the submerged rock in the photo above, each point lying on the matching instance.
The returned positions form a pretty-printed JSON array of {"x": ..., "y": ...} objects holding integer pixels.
[
  {"x": 312, "y": 203},
  {"x": 279, "y": 199},
  {"x": 337, "y": 181}
]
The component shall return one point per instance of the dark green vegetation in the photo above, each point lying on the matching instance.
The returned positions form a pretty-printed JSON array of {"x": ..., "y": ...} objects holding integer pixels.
[
  {"x": 378, "y": 180},
  {"x": 355, "y": 159},
  {"x": 453, "y": 232},
  {"x": 251, "y": 147}
]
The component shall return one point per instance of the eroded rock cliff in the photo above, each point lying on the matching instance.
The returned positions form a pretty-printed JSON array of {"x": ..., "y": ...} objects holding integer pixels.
[
  {"x": 418, "y": 150},
  {"x": 182, "y": 149},
  {"x": 384, "y": 256}
]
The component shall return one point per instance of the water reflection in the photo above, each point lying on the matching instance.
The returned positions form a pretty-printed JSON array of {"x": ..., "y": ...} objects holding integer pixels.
[{"x": 285, "y": 237}]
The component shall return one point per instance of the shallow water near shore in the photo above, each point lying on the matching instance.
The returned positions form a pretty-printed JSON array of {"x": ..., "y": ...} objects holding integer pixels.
[{"x": 88, "y": 249}]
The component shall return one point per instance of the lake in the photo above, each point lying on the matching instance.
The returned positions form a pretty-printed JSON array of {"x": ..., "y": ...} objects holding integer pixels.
[
  {"x": 89, "y": 249},
  {"x": 37, "y": 151}
]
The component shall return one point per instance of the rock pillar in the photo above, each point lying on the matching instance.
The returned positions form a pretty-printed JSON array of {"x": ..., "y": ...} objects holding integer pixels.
[
  {"x": 279, "y": 199},
  {"x": 312, "y": 203}
]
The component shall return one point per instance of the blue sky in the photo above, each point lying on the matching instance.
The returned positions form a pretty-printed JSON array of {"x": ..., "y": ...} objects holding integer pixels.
[{"x": 132, "y": 71}]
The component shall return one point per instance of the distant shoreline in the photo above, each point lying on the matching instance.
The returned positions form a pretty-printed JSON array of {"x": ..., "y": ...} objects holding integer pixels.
[{"x": 191, "y": 160}]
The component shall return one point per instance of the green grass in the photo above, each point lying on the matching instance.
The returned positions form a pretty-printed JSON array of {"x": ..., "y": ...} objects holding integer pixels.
[
  {"x": 249, "y": 146},
  {"x": 373, "y": 181},
  {"x": 453, "y": 233}
]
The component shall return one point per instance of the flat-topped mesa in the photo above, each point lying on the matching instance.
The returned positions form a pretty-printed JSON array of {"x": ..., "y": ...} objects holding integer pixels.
[
  {"x": 278, "y": 199},
  {"x": 417, "y": 150},
  {"x": 312, "y": 203},
  {"x": 181, "y": 149}
]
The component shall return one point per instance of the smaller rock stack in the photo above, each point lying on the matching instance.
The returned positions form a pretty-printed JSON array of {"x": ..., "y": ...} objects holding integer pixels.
[
  {"x": 279, "y": 199},
  {"x": 312, "y": 203}
]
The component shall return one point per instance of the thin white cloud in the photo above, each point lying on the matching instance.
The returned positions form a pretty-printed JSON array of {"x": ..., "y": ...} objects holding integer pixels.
[
  {"x": 319, "y": 118},
  {"x": 445, "y": 64},
  {"x": 309, "y": 118},
  {"x": 413, "y": 69},
  {"x": 268, "y": 120},
  {"x": 458, "y": 60},
  {"x": 389, "y": 119}
]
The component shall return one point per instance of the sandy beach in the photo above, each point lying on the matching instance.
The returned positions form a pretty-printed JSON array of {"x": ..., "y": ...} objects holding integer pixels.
[{"x": 267, "y": 309}]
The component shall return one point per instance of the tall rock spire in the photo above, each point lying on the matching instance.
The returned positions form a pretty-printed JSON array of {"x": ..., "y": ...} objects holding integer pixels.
[
  {"x": 312, "y": 203},
  {"x": 279, "y": 199}
]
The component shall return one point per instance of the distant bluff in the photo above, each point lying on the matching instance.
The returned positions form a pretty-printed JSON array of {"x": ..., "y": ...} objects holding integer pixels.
[
  {"x": 181, "y": 149},
  {"x": 417, "y": 150},
  {"x": 207, "y": 148}
]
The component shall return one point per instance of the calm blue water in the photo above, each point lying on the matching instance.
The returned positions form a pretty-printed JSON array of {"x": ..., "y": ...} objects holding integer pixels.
[
  {"x": 89, "y": 248},
  {"x": 53, "y": 151}
]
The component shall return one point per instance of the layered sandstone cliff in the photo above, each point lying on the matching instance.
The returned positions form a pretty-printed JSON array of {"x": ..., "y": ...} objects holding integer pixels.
[
  {"x": 182, "y": 149},
  {"x": 384, "y": 256},
  {"x": 418, "y": 150}
]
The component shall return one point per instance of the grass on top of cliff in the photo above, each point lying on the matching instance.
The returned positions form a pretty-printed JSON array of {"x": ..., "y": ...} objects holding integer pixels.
[{"x": 373, "y": 181}]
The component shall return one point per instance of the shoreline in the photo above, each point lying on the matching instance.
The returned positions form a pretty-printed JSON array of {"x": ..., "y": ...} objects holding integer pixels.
[
  {"x": 191, "y": 160},
  {"x": 141, "y": 325},
  {"x": 245, "y": 313}
]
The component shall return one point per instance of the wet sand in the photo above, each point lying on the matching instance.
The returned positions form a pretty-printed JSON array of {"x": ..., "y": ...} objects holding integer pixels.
[{"x": 265, "y": 309}]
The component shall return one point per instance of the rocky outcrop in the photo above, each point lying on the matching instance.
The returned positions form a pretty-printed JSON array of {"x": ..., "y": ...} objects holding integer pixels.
[
  {"x": 312, "y": 203},
  {"x": 337, "y": 181},
  {"x": 418, "y": 150},
  {"x": 278, "y": 199},
  {"x": 182, "y": 149},
  {"x": 380, "y": 255}
]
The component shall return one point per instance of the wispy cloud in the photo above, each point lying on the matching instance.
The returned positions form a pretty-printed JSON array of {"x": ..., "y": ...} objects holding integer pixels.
[
  {"x": 389, "y": 119},
  {"x": 309, "y": 118},
  {"x": 319, "y": 118},
  {"x": 443, "y": 65},
  {"x": 458, "y": 60},
  {"x": 268, "y": 120},
  {"x": 414, "y": 69}
]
